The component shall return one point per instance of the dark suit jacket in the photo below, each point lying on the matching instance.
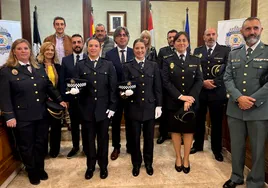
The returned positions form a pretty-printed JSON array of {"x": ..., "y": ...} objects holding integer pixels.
[
  {"x": 100, "y": 92},
  {"x": 68, "y": 70},
  {"x": 178, "y": 78},
  {"x": 58, "y": 70},
  {"x": 219, "y": 56},
  {"x": 148, "y": 93},
  {"x": 113, "y": 56},
  {"x": 25, "y": 93},
  {"x": 165, "y": 51}
]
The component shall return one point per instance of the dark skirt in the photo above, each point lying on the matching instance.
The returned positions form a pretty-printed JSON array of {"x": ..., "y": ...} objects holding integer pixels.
[{"x": 176, "y": 126}]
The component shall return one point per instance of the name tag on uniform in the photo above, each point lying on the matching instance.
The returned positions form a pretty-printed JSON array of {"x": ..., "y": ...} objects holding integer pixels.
[
  {"x": 235, "y": 60},
  {"x": 192, "y": 65},
  {"x": 260, "y": 59},
  {"x": 218, "y": 58}
]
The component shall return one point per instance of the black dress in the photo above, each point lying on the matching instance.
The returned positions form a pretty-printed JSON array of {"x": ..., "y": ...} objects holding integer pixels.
[{"x": 181, "y": 78}]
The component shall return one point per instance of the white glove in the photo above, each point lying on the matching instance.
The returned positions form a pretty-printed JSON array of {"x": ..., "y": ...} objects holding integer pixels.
[
  {"x": 128, "y": 92},
  {"x": 73, "y": 91},
  {"x": 110, "y": 113},
  {"x": 158, "y": 112}
]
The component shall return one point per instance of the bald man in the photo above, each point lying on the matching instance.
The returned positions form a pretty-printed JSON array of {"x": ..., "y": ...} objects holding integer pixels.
[{"x": 213, "y": 93}]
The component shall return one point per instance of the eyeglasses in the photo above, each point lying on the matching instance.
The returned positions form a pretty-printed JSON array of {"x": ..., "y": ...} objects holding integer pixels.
[{"x": 122, "y": 35}]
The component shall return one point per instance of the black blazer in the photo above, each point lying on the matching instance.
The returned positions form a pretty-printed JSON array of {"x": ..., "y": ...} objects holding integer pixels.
[
  {"x": 148, "y": 93},
  {"x": 100, "y": 92},
  {"x": 113, "y": 56},
  {"x": 219, "y": 56},
  {"x": 68, "y": 70},
  {"x": 178, "y": 78},
  {"x": 24, "y": 94},
  {"x": 151, "y": 54},
  {"x": 58, "y": 70}
]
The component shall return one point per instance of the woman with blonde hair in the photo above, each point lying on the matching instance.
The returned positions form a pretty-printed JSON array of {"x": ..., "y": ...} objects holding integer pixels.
[
  {"x": 48, "y": 58},
  {"x": 23, "y": 103},
  {"x": 151, "y": 54}
]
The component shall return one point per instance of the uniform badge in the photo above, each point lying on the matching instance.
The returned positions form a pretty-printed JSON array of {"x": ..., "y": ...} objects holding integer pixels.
[
  {"x": 200, "y": 55},
  {"x": 72, "y": 81},
  {"x": 172, "y": 65},
  {"x": 14, "y": 72}
]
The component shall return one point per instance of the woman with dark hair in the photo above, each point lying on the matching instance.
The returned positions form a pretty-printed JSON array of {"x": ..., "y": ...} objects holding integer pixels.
[
  {"x": 183, "y": 79},
  {"x": 23, "y": 103},
  {"x": 151, "y": 54},
  {"x": 97, "y": 102},
  {"x": 143, "y": 105},
  {"x": 48, "y": 58}
]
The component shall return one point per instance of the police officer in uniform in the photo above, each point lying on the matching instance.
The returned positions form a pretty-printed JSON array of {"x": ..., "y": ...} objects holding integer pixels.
[
  {"x": 247, "y": 108},
  {"x": 213, "y": 93},
  {"x": 97, "y": 105},
  {"x": 143, "y": 106},
  {"x": 182, "y": 79},
  {"x": 165, "y": 51},
  {"x": 26, "y": 86}
]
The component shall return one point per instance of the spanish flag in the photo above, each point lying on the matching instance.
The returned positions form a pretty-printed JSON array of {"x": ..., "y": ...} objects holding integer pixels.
[
  {"x": 91, "y": 24},
  {"x": 151, "y": 26}
]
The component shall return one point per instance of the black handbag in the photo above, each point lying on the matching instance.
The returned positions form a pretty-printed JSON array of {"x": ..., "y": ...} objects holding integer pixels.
[{"x": 185, "y": 116}]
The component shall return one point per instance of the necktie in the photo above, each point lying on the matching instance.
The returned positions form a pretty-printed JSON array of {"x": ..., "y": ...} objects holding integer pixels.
[
  {"x": 141, "y": 64},
  {"x": 249, "y": 51},
  {"x": 182, "y": 58},
  {"x": 209, "y": 51},
  {"x": 95, "y": 63},
  {"x": 28, "y": 67},
  {"x": 122, "y": 56},
  {"x": 77, "y": 59}
]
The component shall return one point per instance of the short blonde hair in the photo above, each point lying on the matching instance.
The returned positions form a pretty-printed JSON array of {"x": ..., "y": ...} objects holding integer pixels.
[
  {"x": 146, "y": 33},
  {"x": 12, "y": 60},
  {"x": 43, "y": 49}
]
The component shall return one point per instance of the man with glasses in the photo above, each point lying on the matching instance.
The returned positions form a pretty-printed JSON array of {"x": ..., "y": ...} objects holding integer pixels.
[{"x": 118, "y": 56}]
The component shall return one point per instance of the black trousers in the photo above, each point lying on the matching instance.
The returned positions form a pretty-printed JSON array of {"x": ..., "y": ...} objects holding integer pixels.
[
  {"x": 55, "y": 134},
  {"x": 91, "y": 129},
  {"x": 31, "y": 139},
  {"x": 148, "y": 145},
  {"x": 74, "y": 112},
  {"x": 216, "y": 109},
  {"x": 163, "y": 126},
  {"x": 116, "y": 127}
]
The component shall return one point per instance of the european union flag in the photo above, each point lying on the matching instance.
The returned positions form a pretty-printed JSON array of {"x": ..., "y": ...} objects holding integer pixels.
[{"x": 187, "y": 28}]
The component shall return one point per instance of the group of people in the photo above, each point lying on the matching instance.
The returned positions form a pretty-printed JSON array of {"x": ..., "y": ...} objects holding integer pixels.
[{"x": 143, "y": 86}]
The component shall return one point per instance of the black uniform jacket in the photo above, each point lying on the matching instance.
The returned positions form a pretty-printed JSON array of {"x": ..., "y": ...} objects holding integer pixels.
[
  {"x": 181, "y": 78},
  {"x": 24, "y": 94},
  {"x": 100, "y": 92},
  {"x": 219, "y": 56},
  {"x": 165, "y": 51},
  {"x": 148, "y": 93}
]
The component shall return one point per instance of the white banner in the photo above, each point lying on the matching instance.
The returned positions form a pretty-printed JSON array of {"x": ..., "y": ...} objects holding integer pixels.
[
  {"x": 229, "y": 33},
  {"x": 9, "y": 32}
]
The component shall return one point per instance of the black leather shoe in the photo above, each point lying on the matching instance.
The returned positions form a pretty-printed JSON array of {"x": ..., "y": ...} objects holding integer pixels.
[
  {"x": 89, "y": 174},
  {"x": 218, "y": 157},
  {"x": 186, "y": 170},
  {"x": 34, "y": 178},
  {"x": 194, "y": 150},
  {"x": 161, "y": 140},
  {"x": 149, "y": 170},
  {"x": 43, "y": 175},
  {"x": 72, "y": 153},
  {"x": 178, "y": 168},
  {"x": 115, "y": 154},
  {"x": 231, "y": 184},
  {"x": 136, "y": 170},
  {"x": 103, "y": 173}
]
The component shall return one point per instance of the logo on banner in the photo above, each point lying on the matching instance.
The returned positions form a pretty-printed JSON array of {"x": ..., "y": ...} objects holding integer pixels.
[
  {"x": 234, "y": 38},
  {"x": 5, "y": 41}
]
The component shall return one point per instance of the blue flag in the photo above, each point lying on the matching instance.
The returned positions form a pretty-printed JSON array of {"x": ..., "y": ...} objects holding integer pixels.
[{"x": 187, "y": 29}]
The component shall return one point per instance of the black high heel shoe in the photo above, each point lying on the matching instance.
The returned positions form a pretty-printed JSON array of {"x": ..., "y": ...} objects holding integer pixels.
[
  {"x": 186, "y": 170},
  {"x": 178, "y": 168}
]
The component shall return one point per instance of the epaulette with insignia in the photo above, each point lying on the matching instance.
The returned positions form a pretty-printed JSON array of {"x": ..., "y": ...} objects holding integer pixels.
[
  {"x": 237, "y": 48},
  {"x": 167, "y": 56}
]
